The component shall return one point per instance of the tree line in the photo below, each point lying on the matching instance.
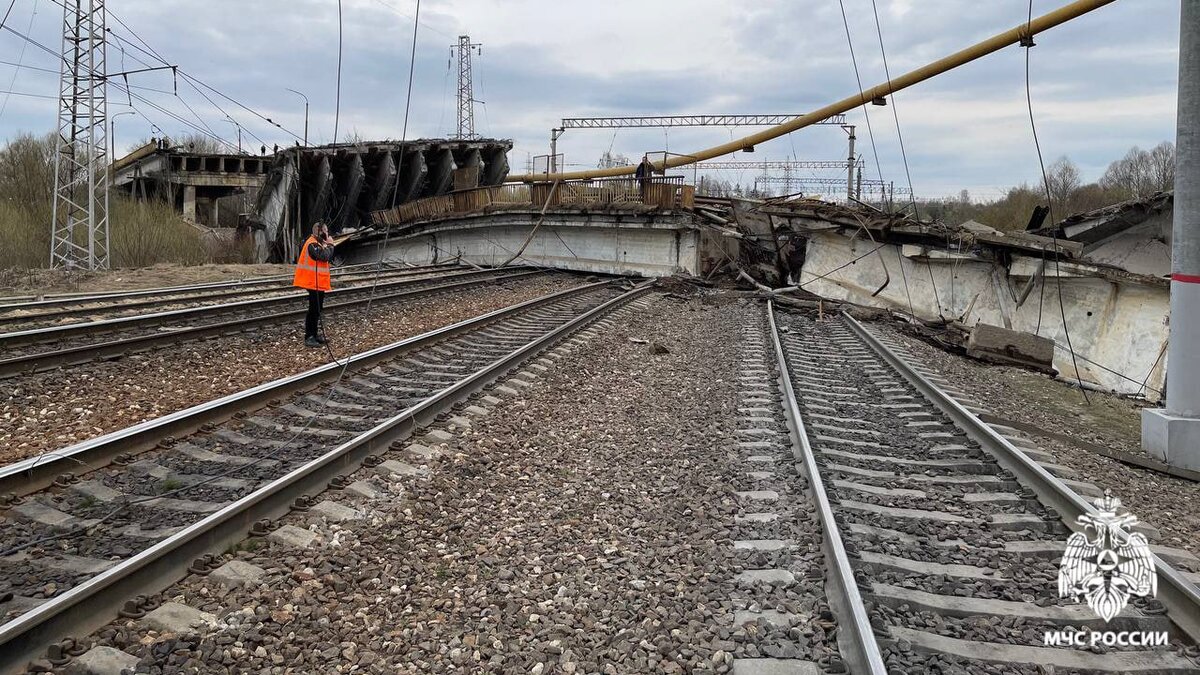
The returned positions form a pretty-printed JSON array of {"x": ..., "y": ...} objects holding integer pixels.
[{"x": 1140, "y": 173}]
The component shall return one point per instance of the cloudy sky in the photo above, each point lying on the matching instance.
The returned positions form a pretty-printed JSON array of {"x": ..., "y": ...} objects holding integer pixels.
[{"x": 1100, "y": 84}]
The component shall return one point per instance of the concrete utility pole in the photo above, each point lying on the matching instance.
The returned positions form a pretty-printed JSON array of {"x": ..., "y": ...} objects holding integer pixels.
[
  {"x": 466, "y": 94},
  {"x": 79, "y": 221},
  {"x": 850, "y": 164},
  {"x": 1172, "y": 434}
]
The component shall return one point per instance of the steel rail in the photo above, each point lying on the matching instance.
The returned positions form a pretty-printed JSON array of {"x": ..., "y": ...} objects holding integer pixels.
[
  {"x": 995, "y": 43},
  {"x": 29, "y": 475},
  {"x": 95, "y": 602},
  {"x": 197, "y": 295},
  {"x": 42, "y": 361},
  {"x": 1179, "y": 595},
  {"x": 856, "y": 637},
  {"x": 37, "y": 335},
  {"x": 50, "y": 300},
  {"x": 70, "y": 356}
]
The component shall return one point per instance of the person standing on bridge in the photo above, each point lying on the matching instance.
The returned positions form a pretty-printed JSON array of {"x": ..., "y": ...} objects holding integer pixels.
[
  {"x": 312, "y": 273},
  {"x": 645, "y": 170}
]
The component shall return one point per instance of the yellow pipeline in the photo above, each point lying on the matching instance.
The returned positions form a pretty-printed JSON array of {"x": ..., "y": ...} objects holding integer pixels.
[{"x": 992, "y": 44}]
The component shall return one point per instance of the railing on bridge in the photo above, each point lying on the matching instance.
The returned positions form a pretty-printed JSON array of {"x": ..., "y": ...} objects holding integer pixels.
[{"x": 667, "y": 192}]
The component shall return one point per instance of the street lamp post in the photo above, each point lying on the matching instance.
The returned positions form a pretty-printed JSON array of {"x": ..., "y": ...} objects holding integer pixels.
[{"x": 301, "y": 95}]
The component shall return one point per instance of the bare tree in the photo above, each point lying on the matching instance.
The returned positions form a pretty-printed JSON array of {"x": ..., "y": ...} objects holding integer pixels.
[
  {"x": 1062, "y": 178},
  {"x": 1140, "y": 173},
  {"x": 1162, "y": 166}
]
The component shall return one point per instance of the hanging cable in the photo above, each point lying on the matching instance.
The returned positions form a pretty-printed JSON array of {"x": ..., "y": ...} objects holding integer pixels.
[
  {"x": 874, "y": 151},
  {"x": 337, "y": 100},
  {"x": 895, "y": 114},
  {"x": 1027, "y": 42},
  {"x": 20, "y": 58}
]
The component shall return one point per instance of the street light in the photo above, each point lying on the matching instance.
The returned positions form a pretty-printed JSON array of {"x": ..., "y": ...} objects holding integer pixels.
[{"x": 305, "y": 115}]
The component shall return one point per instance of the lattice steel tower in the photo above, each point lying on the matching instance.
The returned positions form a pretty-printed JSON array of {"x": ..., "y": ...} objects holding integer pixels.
[
  {"x": 466, "y": 96},
  {"x": 79, "y": 235}
]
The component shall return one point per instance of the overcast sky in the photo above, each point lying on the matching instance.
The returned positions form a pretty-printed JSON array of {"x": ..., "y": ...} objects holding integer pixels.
[{"x": 1100, "y": 84}]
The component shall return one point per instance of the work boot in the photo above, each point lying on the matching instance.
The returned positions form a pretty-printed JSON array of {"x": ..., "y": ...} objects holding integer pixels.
[{"x": 312, "y": 341}]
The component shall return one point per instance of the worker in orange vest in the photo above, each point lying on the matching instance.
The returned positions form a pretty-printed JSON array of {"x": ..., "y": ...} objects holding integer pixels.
[{"x": 312, "y": 273}]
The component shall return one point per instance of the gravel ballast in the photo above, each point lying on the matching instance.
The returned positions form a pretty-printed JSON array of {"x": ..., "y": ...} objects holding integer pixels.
[
  {"x": 52, "y": 410},
  {"x": 582, "y": 524}
]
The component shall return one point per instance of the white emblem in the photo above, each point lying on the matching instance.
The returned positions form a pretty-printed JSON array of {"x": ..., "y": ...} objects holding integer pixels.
[{"x": 1111, "y": 567}]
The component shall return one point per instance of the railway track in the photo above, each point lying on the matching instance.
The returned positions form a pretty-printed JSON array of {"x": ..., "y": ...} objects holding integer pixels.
[
  {"x": 156, "y": 497},
  {"x": 59, "y": 311},
  {"x": 45, "y": 348},
  {"x": 942, "y": 537}
]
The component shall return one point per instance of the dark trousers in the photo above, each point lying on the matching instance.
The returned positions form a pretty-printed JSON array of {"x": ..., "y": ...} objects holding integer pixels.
[{"x": 312, "y": 320}]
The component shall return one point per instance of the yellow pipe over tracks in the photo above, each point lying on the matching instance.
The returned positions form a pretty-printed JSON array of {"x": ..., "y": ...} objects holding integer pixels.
[{"x": 993, "y": 44}]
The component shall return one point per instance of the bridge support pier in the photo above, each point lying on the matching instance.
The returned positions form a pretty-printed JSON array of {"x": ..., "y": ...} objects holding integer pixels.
[{"x": 1172, "y": 434}]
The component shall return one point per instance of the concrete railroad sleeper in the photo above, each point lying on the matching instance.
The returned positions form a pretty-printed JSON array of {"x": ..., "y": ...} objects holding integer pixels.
[
  {"x": 74, "y": 355},
  {"x": 385, "y": 395},
  {"x": 949, "y": 544},
  {"x": 159, "y": 298},
  {"x": 158, "y": 319}
]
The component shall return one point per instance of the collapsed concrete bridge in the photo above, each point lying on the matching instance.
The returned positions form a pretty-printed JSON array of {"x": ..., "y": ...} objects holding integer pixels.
[{"x": 341, "y": 184}]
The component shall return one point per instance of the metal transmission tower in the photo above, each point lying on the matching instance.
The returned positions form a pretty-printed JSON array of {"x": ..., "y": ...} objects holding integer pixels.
[
  {"x": 466, "y": 95},
  {"x": 79, "y": 231}
]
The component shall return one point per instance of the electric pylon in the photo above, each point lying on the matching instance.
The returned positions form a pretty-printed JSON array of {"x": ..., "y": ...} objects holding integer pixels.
[
  {"x": 466, "y": 96},
  {"x": 79, "y": 231}
]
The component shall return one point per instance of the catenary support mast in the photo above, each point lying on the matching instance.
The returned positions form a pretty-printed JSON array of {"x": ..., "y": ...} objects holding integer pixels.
[{"x": 1172, "y": 434}]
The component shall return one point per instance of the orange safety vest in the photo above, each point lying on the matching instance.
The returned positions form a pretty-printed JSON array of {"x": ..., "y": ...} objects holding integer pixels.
[{"x": 311, "y": 274}]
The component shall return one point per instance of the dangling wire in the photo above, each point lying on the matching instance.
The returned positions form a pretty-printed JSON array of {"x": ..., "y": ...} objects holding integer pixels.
[
  {"x": 337, "y": 102},
  {"x": 1028, "y": 44}
]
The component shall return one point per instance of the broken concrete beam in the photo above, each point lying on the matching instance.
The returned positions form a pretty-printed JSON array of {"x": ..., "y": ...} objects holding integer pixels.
[{"x": 1001, "y": 345}]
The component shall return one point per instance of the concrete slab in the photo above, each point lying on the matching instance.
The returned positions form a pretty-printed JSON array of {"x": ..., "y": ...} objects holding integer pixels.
[
  {"x": 103, "y": 661},
  {"x": 876, "y": 490},
  {"x": 290, "y": 535},
  {"x": 762, "y": 544},
  {"x": 393, "y": 467},
  {"x": 423, "y": 452},
  {"x": 928, "y": 568},
  {"x": 759, "y": 496},
  {"x": 916, "y": 514},
  {"x": 438, "y": 436},
  {"x": 237, "y": 573},
  {"x": 770, "y": 616},
  {"x": 1002, "y": 345},
  {"x": 991, "y": 498},
  {"x": 475, "y": 410},
  {"x": 756, "y": 518},
  {"x": 334, "y": 512},
  {"x": 775, "y": 667},
  {"x": 94, "y": 489},
  {"x": 770, "y": 577},
  {"x": 44, "y": 515},
  {"x": 174, "y": 617},
  {"x": 364, "y": 489}
]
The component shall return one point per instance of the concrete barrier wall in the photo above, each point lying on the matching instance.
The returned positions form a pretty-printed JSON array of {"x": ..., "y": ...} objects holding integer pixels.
[
  {"x": 1118, "y": 328},
  {"x": 641, "y": 245}
]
